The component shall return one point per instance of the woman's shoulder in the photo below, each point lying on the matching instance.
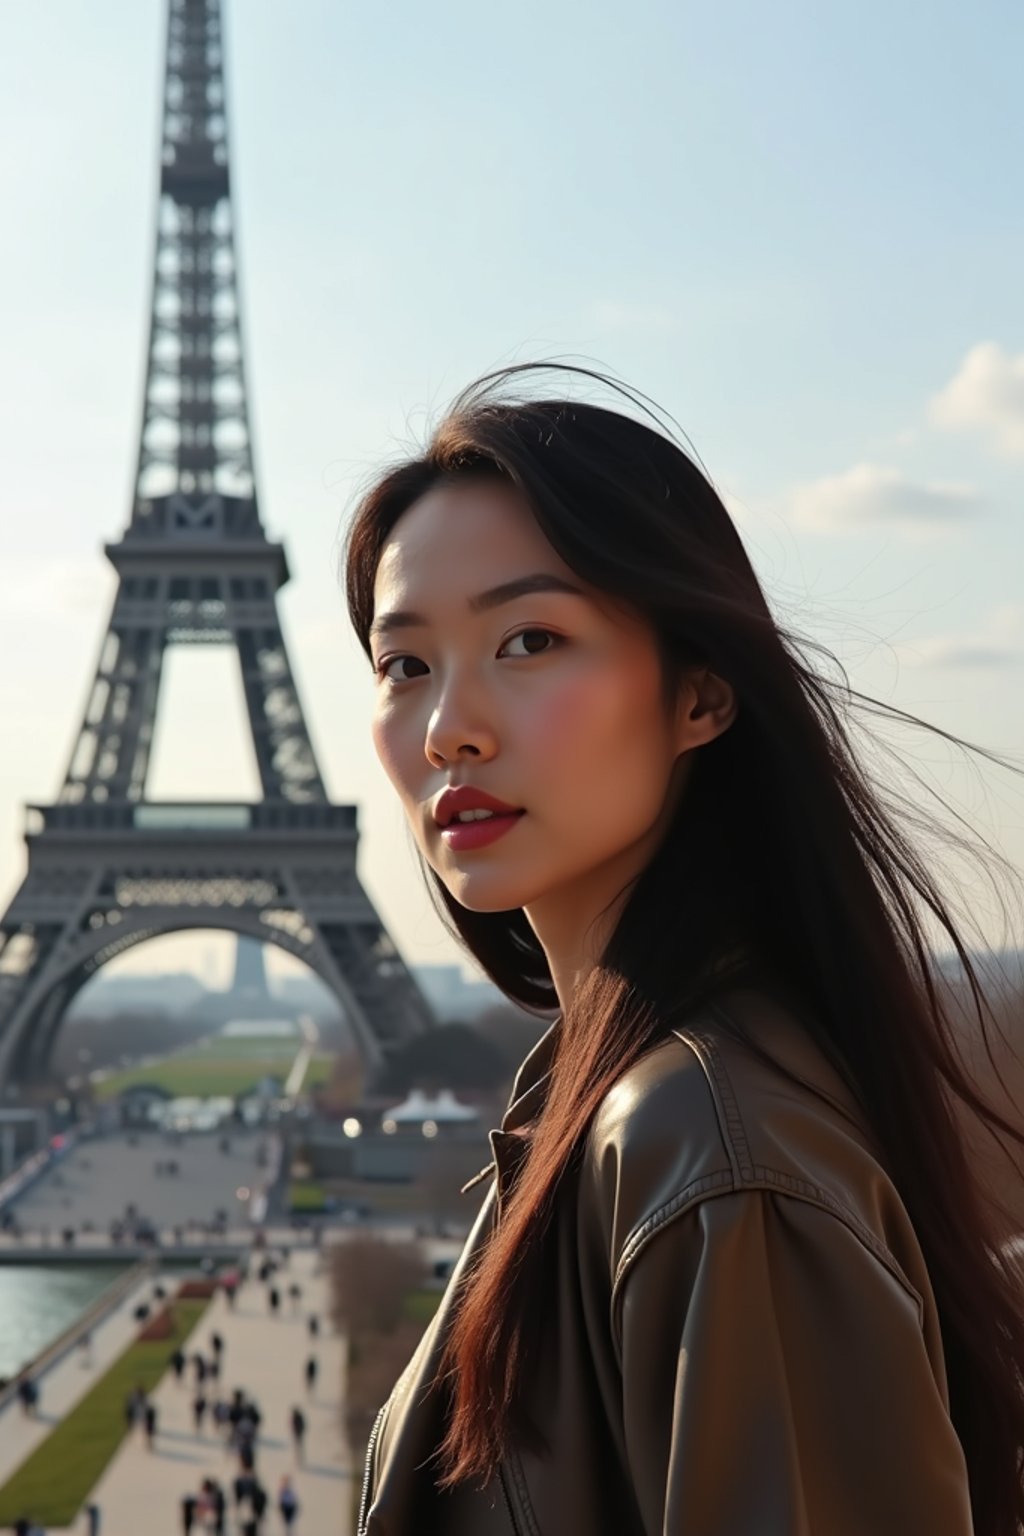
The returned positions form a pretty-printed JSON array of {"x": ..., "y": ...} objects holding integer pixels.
[{"x": 705, "y": 1112}]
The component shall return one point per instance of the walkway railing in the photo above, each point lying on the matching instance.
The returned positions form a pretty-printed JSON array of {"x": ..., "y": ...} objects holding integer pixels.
[{"x": 95, "y": 1314}]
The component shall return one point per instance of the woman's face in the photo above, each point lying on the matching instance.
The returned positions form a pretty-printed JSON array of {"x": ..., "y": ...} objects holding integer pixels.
[{"x": 549, "y": 701}]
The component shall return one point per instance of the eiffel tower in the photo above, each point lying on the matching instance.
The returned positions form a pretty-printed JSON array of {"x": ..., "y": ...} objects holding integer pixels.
[{"x": 108, "y": 869}]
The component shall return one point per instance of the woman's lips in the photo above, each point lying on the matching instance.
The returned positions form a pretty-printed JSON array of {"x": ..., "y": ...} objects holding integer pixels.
[{"x": 461, "y": 835}]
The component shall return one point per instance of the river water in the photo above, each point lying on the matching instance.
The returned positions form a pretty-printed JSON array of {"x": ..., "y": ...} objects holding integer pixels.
[{"x": 38, "y": 1301}]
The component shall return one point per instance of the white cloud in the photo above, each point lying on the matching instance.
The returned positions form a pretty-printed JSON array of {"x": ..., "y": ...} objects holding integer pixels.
[
  {"x": 871, "y": 496},
  {"x": 999, "y": 642},
  {"x": 985, "y": 396}
]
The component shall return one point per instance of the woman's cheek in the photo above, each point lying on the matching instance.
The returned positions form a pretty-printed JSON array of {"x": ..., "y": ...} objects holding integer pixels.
[
  {"x": 574, "y": 716},
  {"x": 551, "y": 727},
  {"x": 387, "y": 743}
]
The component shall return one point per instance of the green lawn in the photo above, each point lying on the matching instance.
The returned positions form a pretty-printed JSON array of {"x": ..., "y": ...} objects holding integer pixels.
[
  {"x": 420, "y": 1306},
  {"x": 53, "y": 1483},
  {"x": 304, "y": 1195},
  {"x": 225, "y": 1069}
]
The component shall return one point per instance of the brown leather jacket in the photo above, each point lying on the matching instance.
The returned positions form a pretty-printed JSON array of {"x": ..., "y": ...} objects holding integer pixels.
[{"x": 745, "y": 1337}]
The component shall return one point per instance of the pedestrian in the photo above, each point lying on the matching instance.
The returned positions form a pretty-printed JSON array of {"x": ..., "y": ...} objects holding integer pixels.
[
  {"x": 134, "y": 1406},
  {"x": 274, "y": 1298},
  {"x": 258, "y": 1499},
  {"x": 246, "y": 1435},
  {"x": 257, "y": 1506},
  {"x": 92, "y": 1516},
  {"x": 311, "y": 1370},
  {"x": 188, "y": 1513},
  {"x": 21, "y": 1526},
  {"x": 220, "y": 1505},
  {"x": 150, "y": 1422},
  {"x": 295, "y": 1295},
  {"x": 298, "y": 1426},
  {"x": 287, "y": 1502},
  {"x": 25, "y": 1396},
  {"x": 242, "y": 1488},
  {"x": 178, "y": 1364},
  {"x": 199, "y": 1367},
  {"x": 217, "y": 1345},
  {"x": 313, "y": 1325},
  {"x": 222, "y": 1416},
  {"x": 198, "y": 1409},
  {"x": 206, "y": 1508},
  {"x": 213, "y": 1368}
]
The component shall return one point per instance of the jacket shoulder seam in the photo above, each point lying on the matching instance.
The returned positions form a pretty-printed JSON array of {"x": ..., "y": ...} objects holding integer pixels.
[
  {"x": 765, "y": 1179},
  {"x": 727, "y": 1109}
]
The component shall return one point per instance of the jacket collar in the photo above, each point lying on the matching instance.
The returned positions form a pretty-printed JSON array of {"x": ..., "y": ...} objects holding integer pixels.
[
  {"x": 529, "y": 1090},
  {"x": 531, "y": 1081}
]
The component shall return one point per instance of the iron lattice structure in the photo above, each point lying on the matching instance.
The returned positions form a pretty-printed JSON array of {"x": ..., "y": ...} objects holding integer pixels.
[{"x": 108, "y": 869}]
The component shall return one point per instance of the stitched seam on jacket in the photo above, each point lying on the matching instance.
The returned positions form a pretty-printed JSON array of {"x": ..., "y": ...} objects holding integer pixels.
[
  {"x": 765, "y": 1179},
  {"x": 730, "y": 1122},
  {"x": 519, "y": 1478},
  {"x": 721, "y": 1087},
  {"x": 800, "y": 1187}
]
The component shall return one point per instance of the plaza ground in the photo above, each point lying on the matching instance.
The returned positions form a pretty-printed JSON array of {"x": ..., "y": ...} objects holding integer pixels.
[
  {"x": 100, "y": 1177},
  {"x": 142, "y": 1490}
]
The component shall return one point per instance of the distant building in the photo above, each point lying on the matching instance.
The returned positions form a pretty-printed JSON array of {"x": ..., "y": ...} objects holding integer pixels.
[
  {"x": 266, "y": 1029},
  {"x": 452, "y": 997},
  {"x": 136, "y": 1104},
  {"x": 105, "y": 995}
]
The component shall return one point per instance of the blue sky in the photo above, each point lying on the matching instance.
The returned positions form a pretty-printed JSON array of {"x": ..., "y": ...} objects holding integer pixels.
[{"x": 798, "y": 227}]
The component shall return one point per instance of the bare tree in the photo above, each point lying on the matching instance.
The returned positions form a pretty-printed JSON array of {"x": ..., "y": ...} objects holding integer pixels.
[
  {"x": 372, "y": 1374},
  {"x": 999, "y": 1080},
  {"x": 370, "y": 1280}
]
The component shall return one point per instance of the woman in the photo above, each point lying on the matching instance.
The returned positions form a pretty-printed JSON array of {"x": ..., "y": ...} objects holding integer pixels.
[
  {"x": 287, "y": 1502},
  {"x": 734, "y": 1274}
]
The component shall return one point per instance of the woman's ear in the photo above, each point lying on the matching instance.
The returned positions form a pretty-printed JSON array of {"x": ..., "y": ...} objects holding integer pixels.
[{"x": 707, "y": 707}]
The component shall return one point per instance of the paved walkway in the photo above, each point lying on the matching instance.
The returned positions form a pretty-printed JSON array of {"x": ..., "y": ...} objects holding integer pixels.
[
  {"x": 61, "y": 1387},
  {"x": 99, "y": 1177},
  {"x": 141, "y": 1491}
]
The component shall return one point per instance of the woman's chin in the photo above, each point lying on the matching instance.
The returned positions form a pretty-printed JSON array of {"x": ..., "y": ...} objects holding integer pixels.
[{"x": 479, "y": 893}]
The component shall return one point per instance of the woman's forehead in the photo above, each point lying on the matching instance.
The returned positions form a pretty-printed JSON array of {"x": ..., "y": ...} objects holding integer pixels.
[{"x": 471, "y": 537}]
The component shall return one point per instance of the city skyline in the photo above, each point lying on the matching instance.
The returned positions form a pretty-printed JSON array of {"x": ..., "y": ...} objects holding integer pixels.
[{"x": 824, "y": 298}]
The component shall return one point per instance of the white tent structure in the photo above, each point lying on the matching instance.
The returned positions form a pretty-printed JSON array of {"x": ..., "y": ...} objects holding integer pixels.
[{"x": 442, "y": 1108}]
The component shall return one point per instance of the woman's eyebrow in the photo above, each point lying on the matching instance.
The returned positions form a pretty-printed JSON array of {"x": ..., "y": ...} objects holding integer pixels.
[{"x": 521, "y": 586}]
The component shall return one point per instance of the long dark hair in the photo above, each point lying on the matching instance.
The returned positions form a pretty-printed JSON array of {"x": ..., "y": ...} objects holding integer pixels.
[{"x": 790, "y": 847}]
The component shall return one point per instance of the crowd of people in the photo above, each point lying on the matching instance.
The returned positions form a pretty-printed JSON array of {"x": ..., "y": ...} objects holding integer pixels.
[
  {"x": 243, "y": 1502},
  {"x": 237, "y": 1418},
  {"x": 207, "y": 1509}
]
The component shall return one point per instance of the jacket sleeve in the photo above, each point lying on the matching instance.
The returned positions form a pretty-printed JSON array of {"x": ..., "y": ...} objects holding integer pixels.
[{"x": 776, "y": 1381}]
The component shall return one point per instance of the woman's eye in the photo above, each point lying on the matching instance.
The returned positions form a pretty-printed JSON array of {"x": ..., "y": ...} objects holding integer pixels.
[
  {"x": 522, "y": 634},
  {"x": 384, "y": 669}
]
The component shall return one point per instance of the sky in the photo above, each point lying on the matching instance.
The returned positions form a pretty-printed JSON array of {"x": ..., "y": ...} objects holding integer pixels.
[{"x": 798, "y": 227}]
